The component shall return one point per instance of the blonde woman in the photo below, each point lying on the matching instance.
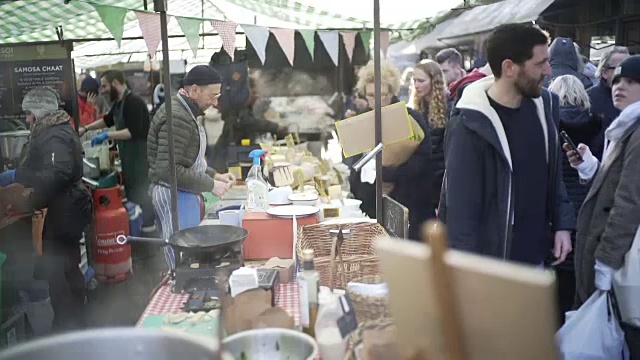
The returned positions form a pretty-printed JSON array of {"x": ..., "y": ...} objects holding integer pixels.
[
  {"x": 582, "y": 127},
  {"x": 408, "y": 178},
  {"x": 429, "y": 99}
]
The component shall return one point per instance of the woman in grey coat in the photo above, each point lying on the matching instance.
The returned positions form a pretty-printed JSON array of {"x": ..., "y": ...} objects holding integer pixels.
[{"x": 610, "y": 215}]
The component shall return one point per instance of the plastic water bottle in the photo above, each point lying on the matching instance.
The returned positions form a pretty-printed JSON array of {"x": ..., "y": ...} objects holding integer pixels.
[{"x": 257, "y": 187}]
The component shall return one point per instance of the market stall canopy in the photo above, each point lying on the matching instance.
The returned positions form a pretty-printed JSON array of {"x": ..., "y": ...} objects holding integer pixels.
[
  {"x": 35, "y": 21},
  {"x": 475, "y": 21},
  {"x": 90, "y": 22}
]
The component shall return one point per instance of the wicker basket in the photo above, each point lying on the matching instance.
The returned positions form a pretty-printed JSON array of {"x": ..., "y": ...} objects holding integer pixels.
[
  {"x": 359, "y": 255},
  {"x": 354, "y": 344},
  {"x": 369, "y": 308}
]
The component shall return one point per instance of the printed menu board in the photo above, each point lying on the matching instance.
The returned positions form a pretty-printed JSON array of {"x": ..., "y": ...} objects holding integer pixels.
[{"x": 24, "y": 67}]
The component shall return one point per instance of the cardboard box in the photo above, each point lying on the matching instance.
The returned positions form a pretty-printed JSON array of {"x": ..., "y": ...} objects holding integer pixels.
[
  {"x": 357, "y": 135},
  {"x": 286, "y": 268}
]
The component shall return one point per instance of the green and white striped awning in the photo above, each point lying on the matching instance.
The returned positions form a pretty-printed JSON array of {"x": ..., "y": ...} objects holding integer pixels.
[{"x": 37, "y": 20}]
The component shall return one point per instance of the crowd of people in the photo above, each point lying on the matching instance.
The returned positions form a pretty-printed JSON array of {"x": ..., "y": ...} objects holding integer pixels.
[
  {"x": 492, "y": 165},
  {"x": 498, "y": 173}
]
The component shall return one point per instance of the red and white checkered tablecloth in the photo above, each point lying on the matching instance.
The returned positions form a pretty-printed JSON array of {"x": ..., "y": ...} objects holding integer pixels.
[{"x": 166, "y": 302}]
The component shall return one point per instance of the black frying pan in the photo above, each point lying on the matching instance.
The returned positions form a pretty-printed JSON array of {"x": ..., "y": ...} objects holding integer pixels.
[{"x": 204, "y": 237}]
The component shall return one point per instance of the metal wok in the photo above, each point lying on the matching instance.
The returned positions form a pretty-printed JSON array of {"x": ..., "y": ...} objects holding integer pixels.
[{"x": 198, "y": 238}]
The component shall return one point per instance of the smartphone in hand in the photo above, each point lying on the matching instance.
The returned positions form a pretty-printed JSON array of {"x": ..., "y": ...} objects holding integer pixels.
[{"x": 567, "y": 140}]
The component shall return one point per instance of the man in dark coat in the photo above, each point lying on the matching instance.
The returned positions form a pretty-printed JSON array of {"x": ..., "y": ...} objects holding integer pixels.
[
  {"x": 565, "y": 61},
  {"x": 504, "y": 192},
  {"x": 53, "y": 170},
  {"x": 600, "y": 95}
]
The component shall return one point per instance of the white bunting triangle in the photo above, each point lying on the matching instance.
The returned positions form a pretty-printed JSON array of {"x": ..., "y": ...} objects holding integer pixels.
[
  {"x": 331, "y": 41},
  {"x": 258, "y": 36}
]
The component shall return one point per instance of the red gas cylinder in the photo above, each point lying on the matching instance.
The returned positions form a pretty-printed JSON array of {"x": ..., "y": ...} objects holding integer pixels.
[{"x": 112, "y": 261}]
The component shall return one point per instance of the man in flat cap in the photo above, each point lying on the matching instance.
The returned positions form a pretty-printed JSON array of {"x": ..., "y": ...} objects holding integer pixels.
[{"x": 201, "y": 90}]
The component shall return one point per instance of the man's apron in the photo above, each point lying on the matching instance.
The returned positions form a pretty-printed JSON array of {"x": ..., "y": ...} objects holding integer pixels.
[
  {"x": 188, "y": 202},
  {"x": 135, "y": 168}
]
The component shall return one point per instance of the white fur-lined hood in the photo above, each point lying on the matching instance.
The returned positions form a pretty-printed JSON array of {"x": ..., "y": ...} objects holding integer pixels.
[{"x": 475, "y": 98}]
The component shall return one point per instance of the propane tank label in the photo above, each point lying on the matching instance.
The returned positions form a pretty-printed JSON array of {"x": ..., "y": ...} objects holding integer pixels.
[{"x": 106, "y": 243}]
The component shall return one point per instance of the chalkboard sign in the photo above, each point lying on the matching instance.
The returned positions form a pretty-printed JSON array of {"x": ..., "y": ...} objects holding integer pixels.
[
  {"x": 25, "y": 67},
  {"x": 395, "y": 218}
]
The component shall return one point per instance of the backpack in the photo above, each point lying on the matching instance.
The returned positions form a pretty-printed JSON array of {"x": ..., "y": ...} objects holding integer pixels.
[{"x": 235, "y": 92}]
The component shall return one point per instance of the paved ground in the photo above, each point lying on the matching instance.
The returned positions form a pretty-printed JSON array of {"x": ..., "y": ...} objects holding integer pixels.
[{"x": 122, "y": 304}]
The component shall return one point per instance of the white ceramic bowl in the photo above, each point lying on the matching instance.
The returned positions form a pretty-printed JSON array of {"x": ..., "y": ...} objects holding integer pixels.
[
  {"x": 303, "y": 199},
  {"x": 279, "y": 196},
  {"x": 350, "y": 205}
]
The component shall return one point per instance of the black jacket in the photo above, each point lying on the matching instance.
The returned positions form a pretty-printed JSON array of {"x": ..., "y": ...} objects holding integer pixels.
[
  {"x": 436, "y": 135},
  {"x": 565, "y": 61},
  {"x": 409, "y": 180},
  {"x": 53, "y": 170},
  {"x": 478, "y": 195},
  {"x": 582, "y": 127},
  {"x": 601, "y": 105}
]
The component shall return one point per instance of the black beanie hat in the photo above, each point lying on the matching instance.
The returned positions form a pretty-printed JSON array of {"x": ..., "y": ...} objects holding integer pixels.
[
  {"x": 90, "y": 85},
  {"x": 202, "y": 75},
  {"x": 629, "y": 68}
]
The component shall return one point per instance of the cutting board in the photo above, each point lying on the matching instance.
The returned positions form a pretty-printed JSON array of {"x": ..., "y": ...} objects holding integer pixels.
[
  {"x": 507, "y": 310},
  {"x": 203, "y": 327}
]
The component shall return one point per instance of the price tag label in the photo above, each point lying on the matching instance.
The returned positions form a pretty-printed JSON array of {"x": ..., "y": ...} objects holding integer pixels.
[{"x": 330, "y": 213}]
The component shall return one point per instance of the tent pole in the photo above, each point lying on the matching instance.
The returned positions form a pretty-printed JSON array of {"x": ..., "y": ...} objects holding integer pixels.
[
  {"x": 173, "y": 182},
  {"x": 378, "y": 105}
]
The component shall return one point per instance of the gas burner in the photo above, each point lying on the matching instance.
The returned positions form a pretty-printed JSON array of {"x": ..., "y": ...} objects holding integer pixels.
[{"x": 206, "y": 270}]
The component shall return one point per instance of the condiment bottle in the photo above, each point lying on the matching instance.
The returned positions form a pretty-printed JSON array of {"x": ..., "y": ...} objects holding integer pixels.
[{"x": 309, "y": 281}]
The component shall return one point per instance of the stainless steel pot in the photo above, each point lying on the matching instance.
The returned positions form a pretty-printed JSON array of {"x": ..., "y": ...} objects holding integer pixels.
[
  {"x": 269, "y": 344},
  {"x": 116, "y": 343},
  {"x": 11, "y": 144}
]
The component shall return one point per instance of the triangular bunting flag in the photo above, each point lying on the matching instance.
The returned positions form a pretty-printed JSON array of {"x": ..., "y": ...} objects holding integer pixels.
[
  {"x": 286, "y": 39},
  {"x": 258, "y": 36},
  {"x": 331, "y": 39},
  {"x": 113, "y": 19},
  {"x": 150, "y": 28},
  {"x": 349, "y": 39},
  {"x": 309, "y": 37},
  {"x": 365, "y": 36},
  {"x": 191, "y": 29},
  {"x": 227, "y": 32},
  {"x": 384, "y": 42}
]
